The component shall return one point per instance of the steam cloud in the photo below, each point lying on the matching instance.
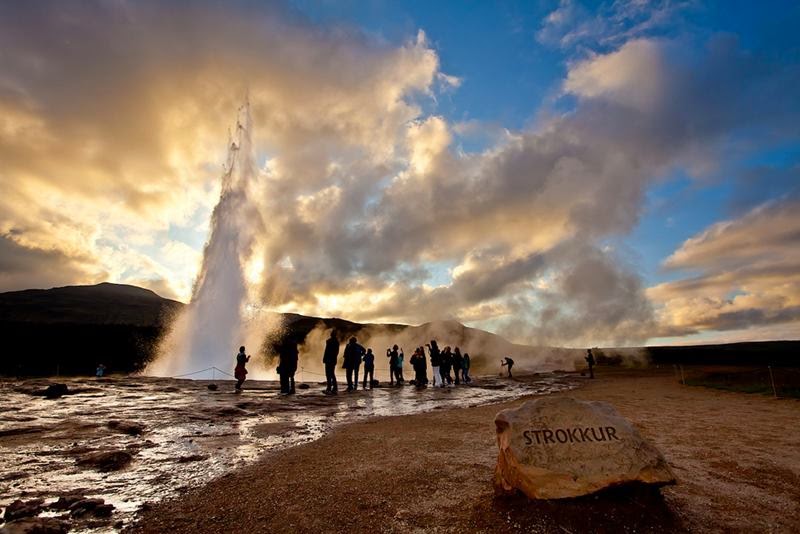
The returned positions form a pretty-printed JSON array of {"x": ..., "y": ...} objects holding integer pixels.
[{"x": 371, "y": 209}]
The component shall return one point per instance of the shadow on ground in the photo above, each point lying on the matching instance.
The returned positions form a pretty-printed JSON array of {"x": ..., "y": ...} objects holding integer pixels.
[{"x": 633, "y": 509}]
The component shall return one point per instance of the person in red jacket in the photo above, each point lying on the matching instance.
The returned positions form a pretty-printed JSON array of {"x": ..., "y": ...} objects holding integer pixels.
[{"x": 240, "y": 372}]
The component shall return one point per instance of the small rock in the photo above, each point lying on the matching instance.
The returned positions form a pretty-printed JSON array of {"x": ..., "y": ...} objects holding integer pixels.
[
  {"x": 55, "y": 391},
  {"x": 106, "y": 460},
  {"x": 212, "y": 387},
  {"x": 65, "y": 501},
  {"x": 192, "y": 458},
  {"x": 127, "y": 427},
  {"x": 19, "y": 509},
  {"x": 93, "y": 507},
  {"x": 14, "y": 475},
  {"x": 226, "y": 411},
  {"x": 36, "y": 525}
]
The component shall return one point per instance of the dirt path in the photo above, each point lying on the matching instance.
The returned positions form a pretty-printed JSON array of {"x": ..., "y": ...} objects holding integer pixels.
[{"x": 736, "y": 457}]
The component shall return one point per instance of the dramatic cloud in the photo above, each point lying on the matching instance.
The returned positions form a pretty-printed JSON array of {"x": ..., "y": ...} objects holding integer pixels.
[
  {"x": 113, "y": 118},
  {"x": 112, "y": 134},
  {"x": 747, "y": 274}
]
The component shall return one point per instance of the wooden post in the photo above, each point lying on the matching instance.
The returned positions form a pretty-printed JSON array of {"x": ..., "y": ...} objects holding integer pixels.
[{"x": 772, "y": 379}]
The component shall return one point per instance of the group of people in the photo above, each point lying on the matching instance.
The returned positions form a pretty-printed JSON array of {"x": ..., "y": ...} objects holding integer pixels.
[
  {"x": 443, "y": 363},
  {"x": 448, "y": 366}
]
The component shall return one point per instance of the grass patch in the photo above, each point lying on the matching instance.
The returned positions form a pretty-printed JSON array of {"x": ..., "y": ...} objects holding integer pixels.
[{"x": 740, "y": 387}]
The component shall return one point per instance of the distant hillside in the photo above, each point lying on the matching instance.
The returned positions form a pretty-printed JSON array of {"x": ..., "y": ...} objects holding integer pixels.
[
  {"x": 99, "y": 304},
  {"x": 760, "y": 353},
  {"x": 70, "y": 330}
]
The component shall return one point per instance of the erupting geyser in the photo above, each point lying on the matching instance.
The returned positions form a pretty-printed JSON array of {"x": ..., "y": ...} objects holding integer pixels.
[{"x": 214, "y": 324}]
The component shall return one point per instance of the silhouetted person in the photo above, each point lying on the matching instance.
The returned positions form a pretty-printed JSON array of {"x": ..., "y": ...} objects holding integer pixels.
[
  {"x": 392, "y": 354},
  {"x": 590, "y": 360},
  {"x": 436, "y": 363},
  {"x": 240, "y": 372},
  {"x": 417, "y": 362},
  {"x": 458, "y": 361},
  {"x": 508, "y": 363},
  {"x": 424, "y": 364},
  {"x": 288, "y": 365},
  {"x": 465, "y": 368},
  {"x": 398, "y": 373},
  {"x": 369, "y": 368},
  {"x": 329, "y": 359},
  {"x": 352, "y": 359},
  {"x": 447, "y": 364}
]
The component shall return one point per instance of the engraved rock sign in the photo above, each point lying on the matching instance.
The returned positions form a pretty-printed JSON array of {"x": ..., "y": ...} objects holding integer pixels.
[{"x": 558, "y": 447}]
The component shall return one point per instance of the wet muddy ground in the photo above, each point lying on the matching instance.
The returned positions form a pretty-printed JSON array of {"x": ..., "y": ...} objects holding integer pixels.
[{"x": 133, "y": 441}]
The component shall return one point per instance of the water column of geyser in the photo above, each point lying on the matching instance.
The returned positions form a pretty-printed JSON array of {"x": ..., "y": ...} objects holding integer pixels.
[{"x": 213, "y": 325}]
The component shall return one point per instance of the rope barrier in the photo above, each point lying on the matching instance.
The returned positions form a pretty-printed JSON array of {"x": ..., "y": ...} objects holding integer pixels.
[
  {"x": 217, "y": 369},
  {"x": 194, "y": 373},
  {"x": 223, "y": 372}
]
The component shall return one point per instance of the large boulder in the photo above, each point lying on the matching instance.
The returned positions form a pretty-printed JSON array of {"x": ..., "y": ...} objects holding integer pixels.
[{"x": 559, "y": 447}]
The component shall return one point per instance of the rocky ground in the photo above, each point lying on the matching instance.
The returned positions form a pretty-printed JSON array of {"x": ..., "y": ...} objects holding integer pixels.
[
  {"x": 116, "y": 445},
  {"x": 735, "y": 456}
]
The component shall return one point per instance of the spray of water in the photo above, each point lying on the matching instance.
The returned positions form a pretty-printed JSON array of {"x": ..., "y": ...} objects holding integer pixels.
[{"x": 218, "y": 318}]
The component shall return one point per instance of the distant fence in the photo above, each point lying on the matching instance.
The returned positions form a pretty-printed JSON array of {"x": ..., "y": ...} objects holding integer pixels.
[{"x": 768, "y": 380}]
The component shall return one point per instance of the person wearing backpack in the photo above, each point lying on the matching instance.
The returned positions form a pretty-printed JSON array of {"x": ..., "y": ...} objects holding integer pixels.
[
  {"x": 369, "y": 368},
  {"x": 465, "y": 368},
  {"x": 352, "y": 361},
  {"x": 420, "y": 368},
  {"x": 287, "y": 367},
  {"x": 458, "y": 361},
  {"x": 329, "y": 360},
  {"x": 508, "y": 363}
]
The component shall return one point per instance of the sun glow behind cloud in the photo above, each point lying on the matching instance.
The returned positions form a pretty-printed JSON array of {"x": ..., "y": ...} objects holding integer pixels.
[{"x": 113, "y": 132}]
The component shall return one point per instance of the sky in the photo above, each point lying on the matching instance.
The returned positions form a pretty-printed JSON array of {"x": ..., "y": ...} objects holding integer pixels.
[{"x": 570, "y": 173}]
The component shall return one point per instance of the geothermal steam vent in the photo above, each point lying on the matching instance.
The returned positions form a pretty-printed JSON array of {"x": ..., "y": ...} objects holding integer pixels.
[{"x": 553, "y": 448}]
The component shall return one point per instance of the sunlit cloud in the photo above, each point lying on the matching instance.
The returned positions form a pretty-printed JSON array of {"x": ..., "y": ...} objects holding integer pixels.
[
  {"x": 746, "y": 274},
  {"x": 114, "y": 121}
]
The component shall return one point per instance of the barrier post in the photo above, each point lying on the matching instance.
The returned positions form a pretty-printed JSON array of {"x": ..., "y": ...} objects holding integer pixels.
[{"x": 772, "y": 379}]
